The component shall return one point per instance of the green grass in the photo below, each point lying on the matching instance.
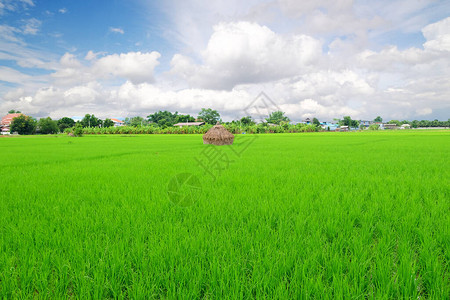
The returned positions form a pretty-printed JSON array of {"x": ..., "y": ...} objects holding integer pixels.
[{"x": 318, "y": 215}]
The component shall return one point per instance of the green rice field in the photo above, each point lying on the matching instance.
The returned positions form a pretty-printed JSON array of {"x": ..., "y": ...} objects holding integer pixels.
[{"x": 351, "y": 215}]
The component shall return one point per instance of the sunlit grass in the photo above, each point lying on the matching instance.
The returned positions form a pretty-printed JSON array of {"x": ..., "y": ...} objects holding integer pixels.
[{"x": 326, "y": 215}]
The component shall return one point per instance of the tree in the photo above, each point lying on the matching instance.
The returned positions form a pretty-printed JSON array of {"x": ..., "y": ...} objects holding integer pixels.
[
  {"x": 378, "y": 119},
  {"x": 163, "y": 118},
  {"x": 47, "y": 126},
  {"x": 64, "y": 123},
  {"x": 396, "y": 122},
  {"x": 277, "y": 117},
  {"x": 374, "y": 127},
  {"x": 184, "y": 119},
  {"x": 316, "y": 122},
  {"x": 23, "y": 125},
  {"x": 347, "y": 121},
  {"x": 209, "y": 116},
  {"x": 78, "y": 129},
  {"x": 136, "y": 121},
  {"x": 12, "y": 111},
  {"x": 247, "y": 121},
  {"x": 91, "y": 121},
  {"x": 108, "y": 123}
]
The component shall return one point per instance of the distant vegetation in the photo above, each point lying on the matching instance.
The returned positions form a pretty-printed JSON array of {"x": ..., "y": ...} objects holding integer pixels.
[
  {"x": 235, "y": 128},
  {"x": 162, "y": 122}
]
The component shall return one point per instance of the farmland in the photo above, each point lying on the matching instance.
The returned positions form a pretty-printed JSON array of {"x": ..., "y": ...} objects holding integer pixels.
[{"x": 333, "y": 215}]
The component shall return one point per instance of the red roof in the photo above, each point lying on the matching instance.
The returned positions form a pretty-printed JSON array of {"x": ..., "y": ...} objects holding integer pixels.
[
  {"x": 116, "y": 121},
  {"x": 6, "y": 120}
]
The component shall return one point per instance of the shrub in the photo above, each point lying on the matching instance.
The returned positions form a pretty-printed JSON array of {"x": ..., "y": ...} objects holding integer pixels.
[
  {"x": 78, "y": 130},
  {"x": 374, "y": 127}
]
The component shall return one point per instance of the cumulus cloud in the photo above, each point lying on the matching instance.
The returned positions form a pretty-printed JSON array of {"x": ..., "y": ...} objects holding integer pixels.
[
  {"x": 438, "y": 35},
  {"x": 137, "y": 67},
  {"x": 62, "y": 10},
  {"x": 414, "y": 64},
  {"x": 127, "y": 99},
  {"x": 310, "y": 108},
  {"x": 243, "y": 52}
]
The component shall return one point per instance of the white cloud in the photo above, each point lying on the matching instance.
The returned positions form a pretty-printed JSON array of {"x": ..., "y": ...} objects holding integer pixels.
[
  {"x": 14, "y": 94},
  {"x": 11, "y": 75},
  {"x": 8, "y": 34},
  {"x": 62, "y": 10},
  {"x": 438, "y": 35},
  {"x": 135, "y": 66},
  {"x": 243, "y": 52},
  {"x": 14, "y": 47},
  {"x": 14, "y": 5},
  {"x": 93, "y": 55},
  {"x": 82, "y": 94},
  {"x": 31, "y": 26},
  {"x": 413, "y": 64},
  {"x": 69, "y": 60},
  {"x": 310, "y": 108},
  {"x": 116, "y": 30}
]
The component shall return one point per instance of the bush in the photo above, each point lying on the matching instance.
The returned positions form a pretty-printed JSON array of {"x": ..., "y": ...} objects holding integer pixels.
[{"x": 78, "y": 130}]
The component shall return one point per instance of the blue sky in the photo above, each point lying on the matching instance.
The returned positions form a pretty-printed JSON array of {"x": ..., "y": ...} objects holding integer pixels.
[{"x": 313, "y": 58}]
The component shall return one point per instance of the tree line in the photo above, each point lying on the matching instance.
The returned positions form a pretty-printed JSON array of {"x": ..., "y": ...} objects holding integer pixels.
[{"x": 162, "y": 120}]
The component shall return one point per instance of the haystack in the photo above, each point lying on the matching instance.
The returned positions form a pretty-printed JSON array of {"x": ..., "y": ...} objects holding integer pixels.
[{"x": 218, "y": 135}]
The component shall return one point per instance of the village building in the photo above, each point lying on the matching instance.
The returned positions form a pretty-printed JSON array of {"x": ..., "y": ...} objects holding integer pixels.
[
  {"x": 5, "y": 124},
  {"x": 117, "y": 122},
  {"x": 390, "y": 126},
  {"x": 189, "y": 124}
]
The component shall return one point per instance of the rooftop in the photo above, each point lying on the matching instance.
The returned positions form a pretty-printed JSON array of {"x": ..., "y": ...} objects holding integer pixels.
[
  {"x": 189, "y": 124},
  {"x": 6, "y": 120}
]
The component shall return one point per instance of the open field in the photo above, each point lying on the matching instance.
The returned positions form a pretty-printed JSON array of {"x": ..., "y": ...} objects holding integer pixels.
[{"x": 325, "y": 215}]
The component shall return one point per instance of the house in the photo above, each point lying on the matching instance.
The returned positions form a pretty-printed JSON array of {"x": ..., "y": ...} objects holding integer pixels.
[
  {"x": 405, "y": 126},
  {"x": 189, "y": 124},
  {"x": 390, "y": 126},
  {"x": 365, "y": 123},
  {"x": 6, "y": 122},
  {"x": 307, "y": 121},
  {"x": 117, "y": 122},
  {"x": 343, "y": 128},
  {"x": 331, "y": 126}
]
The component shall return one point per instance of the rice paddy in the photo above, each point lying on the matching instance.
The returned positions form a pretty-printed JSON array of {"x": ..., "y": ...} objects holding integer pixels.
[{"x": 362, "y": 215}]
